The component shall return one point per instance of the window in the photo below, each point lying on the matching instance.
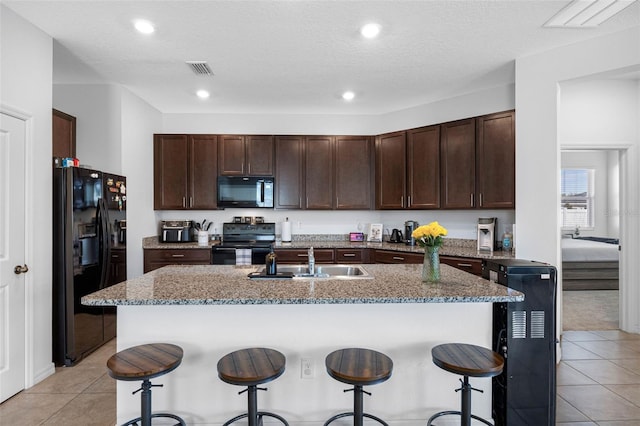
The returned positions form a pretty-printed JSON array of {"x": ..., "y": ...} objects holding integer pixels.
[{"x": 577, "y": 198}]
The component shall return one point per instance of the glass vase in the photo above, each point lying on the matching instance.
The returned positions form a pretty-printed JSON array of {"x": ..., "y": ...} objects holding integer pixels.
[{"x": 431, "y": 264}]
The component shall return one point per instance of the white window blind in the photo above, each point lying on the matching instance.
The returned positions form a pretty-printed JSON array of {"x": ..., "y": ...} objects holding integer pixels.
[{"x": 577, "y": 198}]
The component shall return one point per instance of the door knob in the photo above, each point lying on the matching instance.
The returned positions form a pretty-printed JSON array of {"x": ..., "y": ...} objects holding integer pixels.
[{"x": 21, "y": 269}]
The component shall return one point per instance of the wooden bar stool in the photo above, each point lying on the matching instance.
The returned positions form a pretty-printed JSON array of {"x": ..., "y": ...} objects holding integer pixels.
[
  {"x": 145, "y": 362},
  {"x": 358, "y": 367},
  {"x": 467, "y": 361},
  {"x": 252, "y": 367}
]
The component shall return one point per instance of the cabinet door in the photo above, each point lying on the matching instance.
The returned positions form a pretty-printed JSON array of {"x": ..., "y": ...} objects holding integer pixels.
[
  {"x": 353, "y": 172},
  {"x": 391, "y": 161},
  {"x": 473, "y": 266},
  {"x": 170, "y": 161},
  {"x": 289, "y": 177},
  {"x": 495, "y": 159},
  {"x": 157, "y": 258},
  {"x": 457, "y": 164},
  {"x": 259, "y": 153},
  {"x": 203, "y": 172},
  {"x": 389, "y": 256},
  {"x": 423, "y": 168},
  {"x": 319, "y": 182},
  {"x": 64, "y": 134},
  {"x": 298, "y": 256},
  {"x": 118, "y": 272},
  {"x": 231, "y": 155}
]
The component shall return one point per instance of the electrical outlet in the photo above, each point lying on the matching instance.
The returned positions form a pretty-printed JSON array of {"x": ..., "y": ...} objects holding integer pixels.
[{"x": 307, "y": 368}]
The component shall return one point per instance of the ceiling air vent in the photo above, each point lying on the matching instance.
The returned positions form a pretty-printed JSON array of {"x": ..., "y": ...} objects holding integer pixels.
[{"x": 200, "y": 67}]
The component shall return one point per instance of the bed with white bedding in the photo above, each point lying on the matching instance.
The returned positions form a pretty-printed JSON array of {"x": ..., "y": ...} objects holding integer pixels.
[{"x": 590, "y": 263}]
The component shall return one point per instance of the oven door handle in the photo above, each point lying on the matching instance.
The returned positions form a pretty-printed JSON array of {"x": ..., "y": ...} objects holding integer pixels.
[{"x": 223, "y": 249}]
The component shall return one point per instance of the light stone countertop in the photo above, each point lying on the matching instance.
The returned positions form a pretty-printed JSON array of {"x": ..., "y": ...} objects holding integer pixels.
[
  {"x": 451, "y": 247},
  {"x": 229, "y": 285}
]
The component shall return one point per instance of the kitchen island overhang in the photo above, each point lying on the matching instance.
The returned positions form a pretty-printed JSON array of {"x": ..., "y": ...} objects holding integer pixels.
[{"x": 212, "y": 310}]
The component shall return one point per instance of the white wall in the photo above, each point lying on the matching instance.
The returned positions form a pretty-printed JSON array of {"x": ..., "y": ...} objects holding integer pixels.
[
  {"x": 25, "y": 85},
  {"x": 599, "y": 161},
  {"x": 538, "y": 152},
  {"x": 97, "y": 110},
  {"x": 139, "y": 122}
]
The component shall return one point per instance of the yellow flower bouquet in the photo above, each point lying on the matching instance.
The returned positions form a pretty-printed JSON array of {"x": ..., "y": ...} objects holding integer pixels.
[{"x": 429, "y": 235}]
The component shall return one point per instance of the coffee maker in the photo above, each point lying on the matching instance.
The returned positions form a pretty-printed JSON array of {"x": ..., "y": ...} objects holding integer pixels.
[
  {"x": 409, "y": 227},
  {"x": 487, "y": 233}
]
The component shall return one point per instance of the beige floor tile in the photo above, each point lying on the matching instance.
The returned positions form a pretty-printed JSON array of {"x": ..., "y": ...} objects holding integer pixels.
[
  {"x": 610, "y": 349},
  {"x": 630, "y": 364},
  {"x": 105, "y": 384},
  {"x": 581, "y": 336},
  {"x": 599, "y": 403},
  {"x": 620, "y": 423},
  {"x": 629, "y": 392},
  {"x": 566, "y": 412},
  {"x": 572, "y": 350},
  {"x": 605, "y": 372},
  {"x": 576, "y": 424},
  {"x": 86, "y": 409},
  {"x": 100, "y": 356},
  {"x": 617, "y": 335},
  {"x": 566, "y": 375},
  {"x": 69, "y": 380},
  {"x": 32, "y": 409}
]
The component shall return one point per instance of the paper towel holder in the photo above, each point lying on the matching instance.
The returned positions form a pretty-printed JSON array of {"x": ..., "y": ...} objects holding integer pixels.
[{"x": 286, "y": 231}]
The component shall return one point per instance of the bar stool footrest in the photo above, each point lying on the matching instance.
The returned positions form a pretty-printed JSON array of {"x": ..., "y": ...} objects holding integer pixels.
[
  {"x": 458, "y": 413},
  {"x": 138, "y": 420},
  {"x": 261, "y": 414},
  {"x": 370, "y": 416}
]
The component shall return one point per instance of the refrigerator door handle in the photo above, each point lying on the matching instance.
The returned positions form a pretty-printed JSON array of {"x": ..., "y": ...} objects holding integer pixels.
[{"x": 102, "y": 219}]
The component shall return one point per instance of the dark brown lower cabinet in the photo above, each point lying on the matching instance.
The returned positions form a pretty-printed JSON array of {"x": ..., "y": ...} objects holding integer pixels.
[
  {"x": 473, "y": 266},
  {"x": 392, "y": 256},
  {"x": 157, "y": 258},
  {"x": 301, "y": 255}
]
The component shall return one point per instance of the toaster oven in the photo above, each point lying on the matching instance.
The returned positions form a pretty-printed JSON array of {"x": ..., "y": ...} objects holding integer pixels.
[{"x": 175, "y": 231}]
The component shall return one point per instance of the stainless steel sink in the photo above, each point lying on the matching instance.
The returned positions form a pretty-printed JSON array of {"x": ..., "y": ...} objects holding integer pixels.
[{"x": 326, "y": 271}]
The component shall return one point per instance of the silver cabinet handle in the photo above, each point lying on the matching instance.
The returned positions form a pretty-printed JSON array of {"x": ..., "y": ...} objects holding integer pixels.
[
  {"x": 303, "y": 255},
  {"x": 465, "y": 265},
  {"x": 177, "y": 255},
  {"x": 20, "y": 269},
  {"x": 348, "y": 255},
  {"x": 190, "y": 201},
  {"x": 471, "y": 199},
  {"x": 184, "y": 202},
  {"x": 409, "y": 201},
  {"x": 398, "y": 258},
  {"x": 480, "y": 197}
]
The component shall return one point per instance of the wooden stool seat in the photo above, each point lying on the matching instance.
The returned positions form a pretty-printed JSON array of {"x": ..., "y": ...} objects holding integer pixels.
[
  {"x": 253, "y": 366},
  {"x": 467, "y": 360},
  {"x": 358, "y": 367},
  {"x": 144, "y": 361}
]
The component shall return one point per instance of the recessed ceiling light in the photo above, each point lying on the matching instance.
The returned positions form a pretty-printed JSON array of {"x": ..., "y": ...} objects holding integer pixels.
[
  {"x": 370, "y": 30},
  {"x": 202, "y": 94},
  {"x": 348, "y": 96},
  {"x": 144, "y": 27}
]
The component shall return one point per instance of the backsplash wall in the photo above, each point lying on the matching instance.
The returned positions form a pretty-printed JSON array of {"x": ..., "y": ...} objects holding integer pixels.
[{"x": 459, "y": 223}]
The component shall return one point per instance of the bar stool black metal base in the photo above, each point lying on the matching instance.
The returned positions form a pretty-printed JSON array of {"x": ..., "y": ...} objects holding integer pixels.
[
  {"x": 465, "y": 413},
  {"x": 253, "y": 416},
  {"x": 358, "y": 410},
  {"x": 145, "y": 402}
]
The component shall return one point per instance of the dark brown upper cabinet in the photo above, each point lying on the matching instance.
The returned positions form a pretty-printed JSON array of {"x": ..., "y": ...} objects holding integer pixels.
[
  {"x": 458, "y": 164},
  {"x": 495, "y": 160},
  {"x": 354, "y": 175},
  {"x": 319, "y": 172},
  {"x": 245, "y": 155},
  {"x": 408, "y": 169},
  {"x": 185, "y": 172},
  {"x": 289, "y": 183},
  {"x": 63, "y": 134}
]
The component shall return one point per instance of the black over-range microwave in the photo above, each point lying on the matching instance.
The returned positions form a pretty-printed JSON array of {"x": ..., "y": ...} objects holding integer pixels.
[{"x": 245, "y": 191}]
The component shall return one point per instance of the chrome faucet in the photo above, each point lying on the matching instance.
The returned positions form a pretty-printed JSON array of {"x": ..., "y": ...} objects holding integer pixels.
[{"x": 312, "y": 261}]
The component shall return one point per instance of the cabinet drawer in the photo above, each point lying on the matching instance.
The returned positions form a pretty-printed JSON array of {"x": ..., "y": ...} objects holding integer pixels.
[
  {"x": 157, "y": 258},
  {"x": 473, "y": 266},
  {"x": 389, "y": 256},
  {"x": 301, "y": 256},
  {"x": 351, "y": 256}
]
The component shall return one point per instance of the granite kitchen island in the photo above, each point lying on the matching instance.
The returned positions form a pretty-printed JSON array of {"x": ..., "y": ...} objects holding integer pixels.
[{"x": 211, "y": 310}]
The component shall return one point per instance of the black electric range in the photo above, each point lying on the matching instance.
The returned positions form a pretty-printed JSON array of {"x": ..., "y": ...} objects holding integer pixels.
[{"x": 240, "y": 238}]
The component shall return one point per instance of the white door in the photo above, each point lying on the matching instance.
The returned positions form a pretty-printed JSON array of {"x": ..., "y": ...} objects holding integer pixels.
[{"x": 12, "y": 255}]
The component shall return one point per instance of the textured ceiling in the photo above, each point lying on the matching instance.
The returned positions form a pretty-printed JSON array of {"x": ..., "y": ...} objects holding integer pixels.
[{"x": 299, "y": 56}]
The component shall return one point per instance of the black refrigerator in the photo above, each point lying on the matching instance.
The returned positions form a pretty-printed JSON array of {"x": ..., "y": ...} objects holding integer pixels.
[
  {"x": 524, "y": 333},
  {"x": 85, "y": 235}
]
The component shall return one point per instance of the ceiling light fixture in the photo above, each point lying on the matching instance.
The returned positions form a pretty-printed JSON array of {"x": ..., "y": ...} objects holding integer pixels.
[
  {"x": 587, "y": 13},
  {"x": 143, "y": 26},
  {"x": 348, "y": 96},
  {"x": 202, "y": 94},
  {"x": 370, "y": 30}
]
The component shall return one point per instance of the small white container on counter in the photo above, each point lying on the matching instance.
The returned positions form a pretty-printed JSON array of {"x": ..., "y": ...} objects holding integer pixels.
[{"x": 203, "y": 238}]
